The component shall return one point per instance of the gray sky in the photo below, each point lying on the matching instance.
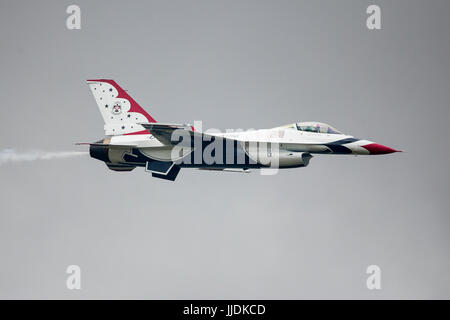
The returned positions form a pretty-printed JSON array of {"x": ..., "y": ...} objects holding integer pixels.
[{"x": 304, "y": 233}]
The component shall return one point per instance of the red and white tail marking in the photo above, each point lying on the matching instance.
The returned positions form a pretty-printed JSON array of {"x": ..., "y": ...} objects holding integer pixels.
[{"x": 119, "y": 111}]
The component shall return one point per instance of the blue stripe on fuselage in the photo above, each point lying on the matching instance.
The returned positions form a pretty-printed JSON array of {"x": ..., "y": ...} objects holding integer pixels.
[{"x": 337, "y": 146}]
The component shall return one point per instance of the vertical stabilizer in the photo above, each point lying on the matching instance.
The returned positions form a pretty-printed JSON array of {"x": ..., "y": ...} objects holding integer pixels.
[{"x": 119, "y": 111}]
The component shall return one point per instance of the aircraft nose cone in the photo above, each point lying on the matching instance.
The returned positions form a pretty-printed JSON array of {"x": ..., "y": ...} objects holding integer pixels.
[{"x": 375, "y": 148}]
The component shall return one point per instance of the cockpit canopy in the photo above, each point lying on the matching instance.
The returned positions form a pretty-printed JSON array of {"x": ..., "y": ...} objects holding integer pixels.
[
  {"x": 311, "y": 126},
  {"x": 317, "y": 127}
]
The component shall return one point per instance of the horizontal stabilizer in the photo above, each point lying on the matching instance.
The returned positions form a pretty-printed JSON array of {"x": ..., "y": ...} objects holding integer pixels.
[{"x": 160, "y": 125}]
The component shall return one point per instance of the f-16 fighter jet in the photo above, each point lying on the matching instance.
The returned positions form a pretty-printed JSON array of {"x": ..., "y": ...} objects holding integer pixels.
[{"x": 134, "y": 139}]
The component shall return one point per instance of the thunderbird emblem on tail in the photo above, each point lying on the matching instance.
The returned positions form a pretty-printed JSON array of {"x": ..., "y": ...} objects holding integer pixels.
[{"x": 117, "y": 109}]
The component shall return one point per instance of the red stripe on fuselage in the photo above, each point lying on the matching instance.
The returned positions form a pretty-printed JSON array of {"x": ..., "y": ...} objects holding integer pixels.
[{"x": 137, "y": 132}]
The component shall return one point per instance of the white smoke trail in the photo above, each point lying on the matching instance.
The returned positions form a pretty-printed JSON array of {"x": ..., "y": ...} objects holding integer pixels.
[{"x": 11, "y": 155}]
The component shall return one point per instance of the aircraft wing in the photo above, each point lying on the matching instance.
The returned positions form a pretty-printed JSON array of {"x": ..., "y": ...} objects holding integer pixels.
[{"x": 164, "y": 131}]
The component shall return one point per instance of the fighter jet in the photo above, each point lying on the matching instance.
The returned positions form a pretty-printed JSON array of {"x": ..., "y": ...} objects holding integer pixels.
[{"x": 134, "y": 139}]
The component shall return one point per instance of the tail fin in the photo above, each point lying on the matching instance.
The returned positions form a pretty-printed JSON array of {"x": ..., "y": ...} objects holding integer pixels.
[{"x": 119, "y": 111}]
